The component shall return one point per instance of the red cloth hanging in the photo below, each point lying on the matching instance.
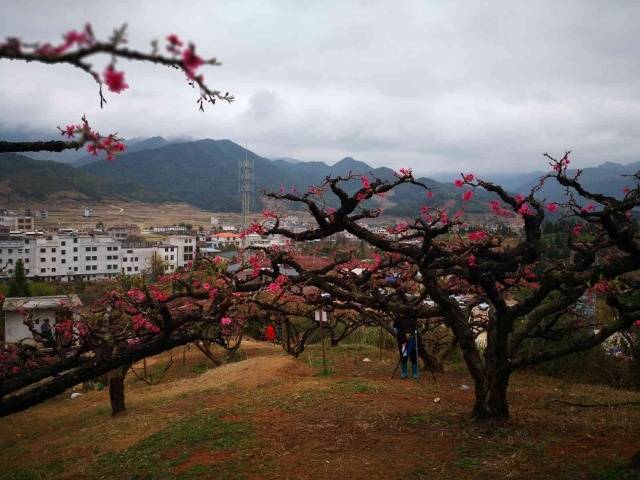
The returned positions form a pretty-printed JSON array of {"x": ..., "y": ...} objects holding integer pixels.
[{"x": 270, "y": 333}]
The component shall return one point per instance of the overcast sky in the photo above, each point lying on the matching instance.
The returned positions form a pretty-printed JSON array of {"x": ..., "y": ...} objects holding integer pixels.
[{"x": 435, "y": 85}]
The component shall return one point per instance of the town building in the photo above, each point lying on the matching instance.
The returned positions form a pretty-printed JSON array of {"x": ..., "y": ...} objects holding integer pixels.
[
  {"x": 37, "y": 309},
  {"x": 79, "y": 256}
]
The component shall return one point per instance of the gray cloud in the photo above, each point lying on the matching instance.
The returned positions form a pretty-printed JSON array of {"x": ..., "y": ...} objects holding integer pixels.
[{"x": 438, "y": 86}]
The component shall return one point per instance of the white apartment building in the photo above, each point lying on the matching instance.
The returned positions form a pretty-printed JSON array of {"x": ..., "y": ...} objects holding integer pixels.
[{"x": 69, "y": 256}]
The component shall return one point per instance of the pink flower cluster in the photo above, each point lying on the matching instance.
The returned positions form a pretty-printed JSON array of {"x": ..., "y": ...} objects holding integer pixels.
[
  {"x": 498, "y": 210},
  {"x": 562, "y": 165},
  {"x": 140, "y": 322},
  {"x": 70, "y": 38},
  {"x": 114, "y": 80},
  {"x": 478, "y": 235},
  {"x": 96, "y": 143},
  {"x": 399, "y": 228},
  {"x": 137, "y": 295},
  {"x": 278, "y": 284}
]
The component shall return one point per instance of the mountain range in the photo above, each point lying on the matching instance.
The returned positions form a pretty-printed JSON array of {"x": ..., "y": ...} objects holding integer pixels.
[{"x": 204, "y": 173}]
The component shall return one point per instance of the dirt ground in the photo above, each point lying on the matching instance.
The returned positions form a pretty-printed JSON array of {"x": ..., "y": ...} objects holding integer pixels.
[
  {"x": 69, "y": 213},
  {"x": 270, "y": 416}
]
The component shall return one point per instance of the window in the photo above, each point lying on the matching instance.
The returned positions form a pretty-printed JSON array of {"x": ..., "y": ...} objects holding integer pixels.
[
  {"x": 115, "y": 257},
  {"x": 63, "y": 243},
  {"x": 53, "y": 250},
  {"x": 53, "y": 269},
  {"x": 43, "y": 260},
  {"x": 26, "y": 260},
  {"x": 171, "y": 257},
  {"x": 94, "y": 267},
  {"x": 87, "y": 249},
  {"x": 95, "y": 249},
  {"x": 75, "y": 240},
  {"x": 94, "y": 258},
  {"x": 115, "y": 249},
  {"x": 42, "y": 270},
  {"x": 87, "y": 259},
  {"x": 26, "y": 250},
  {"x": 63, "y": 252},
  {"x": 108, "y": 267},
  {"x": 75, "y": 259},
  {"x": 124, "y": 259},
  {"x": 128, "y": 251},
  {"x": 75, "y": 269},
  {"x": 75, "y": 249},
  {"x": 42, "y": 250},
  {"x": 10, "y": 261},
  {"x": 88, "y": 267},
  {"x": 63, "y": 261},
  {"x": 108, "y": 249},
  {"x": 136, "y": 259},
  {"x": 136, "y": 269},
  {"x": 128, "y": 269},
  {"x": 53, "y": 259}
]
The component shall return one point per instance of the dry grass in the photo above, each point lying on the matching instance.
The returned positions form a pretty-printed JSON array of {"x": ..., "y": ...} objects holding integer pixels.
[{"x": 272, "y": 416}]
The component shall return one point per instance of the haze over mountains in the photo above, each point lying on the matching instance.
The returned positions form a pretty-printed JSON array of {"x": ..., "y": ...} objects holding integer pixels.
[{"x": 204, "y": 173}]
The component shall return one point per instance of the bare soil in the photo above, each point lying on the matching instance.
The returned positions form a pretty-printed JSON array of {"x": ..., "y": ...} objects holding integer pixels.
[{"x": 353, "y": 423}]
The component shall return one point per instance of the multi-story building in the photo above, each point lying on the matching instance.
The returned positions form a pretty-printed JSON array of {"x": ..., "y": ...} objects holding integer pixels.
[
  {"x": 68, "y": 256},
  {"x": 186, "y": 248},
  {"x": 17, "y": 222}
]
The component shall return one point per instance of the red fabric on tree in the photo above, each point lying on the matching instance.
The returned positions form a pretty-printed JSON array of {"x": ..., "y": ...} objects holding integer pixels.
[{"x": 270, "y": 333}]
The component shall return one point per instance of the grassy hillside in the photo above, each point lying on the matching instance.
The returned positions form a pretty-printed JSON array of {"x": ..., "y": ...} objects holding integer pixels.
[
  {"x": 273, "y": 417},
  {"x": 205, "y": 173},
  {"x": 24, "y": 178}
]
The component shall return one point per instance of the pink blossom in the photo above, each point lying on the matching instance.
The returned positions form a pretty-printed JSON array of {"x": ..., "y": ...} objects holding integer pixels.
[
  {"x": 213, "y": 292},
  {"x": 520, "y": 198},
  {"x": 114, "y": 79},
  {"x": 469, "y": 177},
  {"x": 404, "y": 172},
  {"x": 552, "y": 207},
  {"x": 73, "y": 36},
  {"x": 191, "y": 62},
  {"x": 430, "y": 194},
  {"x": 637, "y": 323},
  {"x": 174, "y": 40},
  {"x": 468, "y": 195},
  {"x": 330, "y": 210},
  {"x": 365, "y": 182},
  {"x": 577, "y": 230},
  {"x": 477, "y": 236},
  {"x": 458, "y": 183},
  {"x": 588, "y": 208},
  {"x": 525, "y": 210},
  {"x": 471, "y": 261},
  {"x": 226, "y": 321}
]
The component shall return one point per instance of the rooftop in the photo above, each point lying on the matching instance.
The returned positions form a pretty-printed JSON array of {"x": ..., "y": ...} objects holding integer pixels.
[{"x": 13, "y": 304}]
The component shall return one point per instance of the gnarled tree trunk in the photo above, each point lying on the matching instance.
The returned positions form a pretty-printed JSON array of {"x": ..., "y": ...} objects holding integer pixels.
[{"x": 116, "y": 389}]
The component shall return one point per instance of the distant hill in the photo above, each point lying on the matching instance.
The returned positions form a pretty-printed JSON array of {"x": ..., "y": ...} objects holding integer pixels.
[
  {"x": 204, "y": 173},
  {"x": 22, "y": 177},
  {"x": 133, "y": 145}
]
